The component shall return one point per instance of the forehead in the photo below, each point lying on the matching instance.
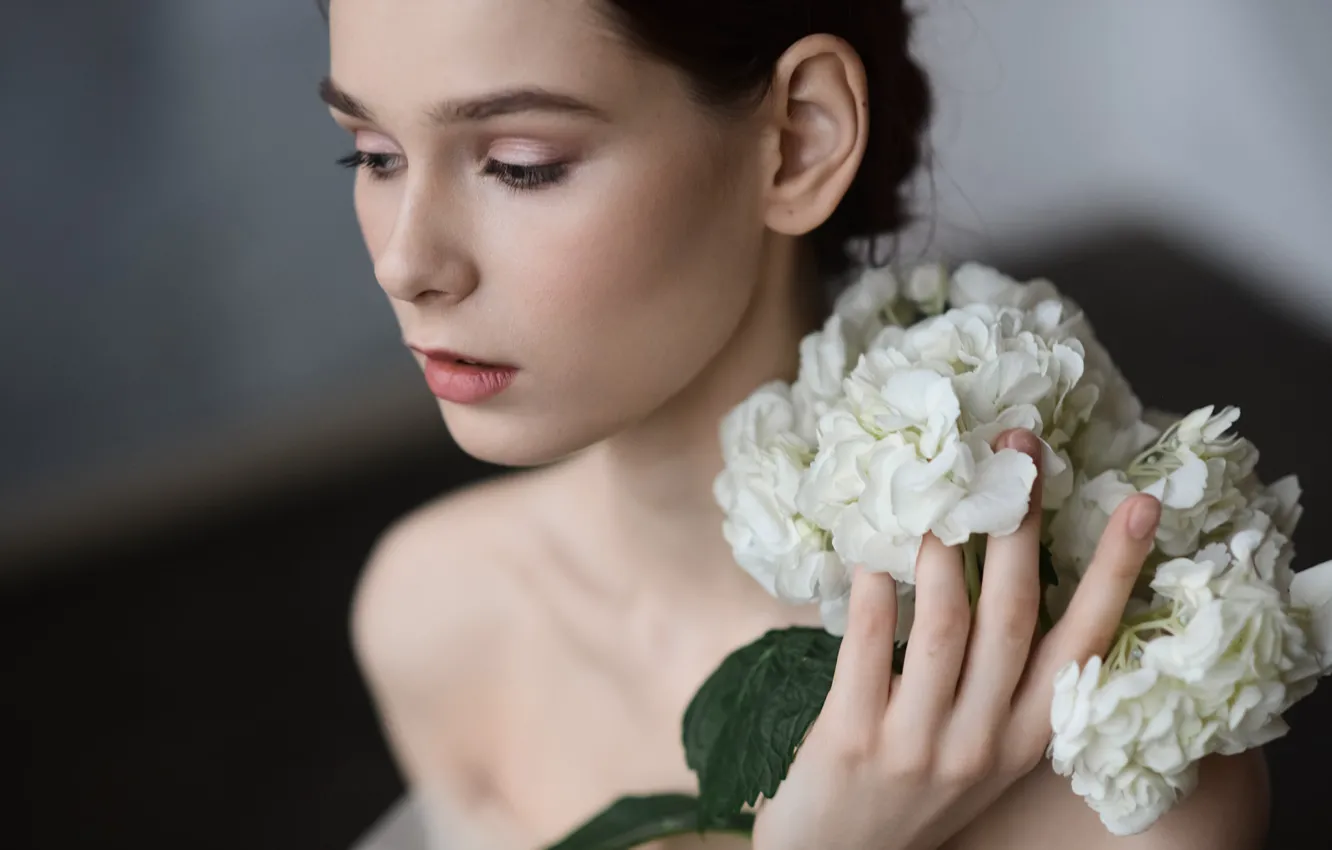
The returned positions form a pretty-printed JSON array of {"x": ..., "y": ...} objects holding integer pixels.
[{"x": 385, "y": 50}]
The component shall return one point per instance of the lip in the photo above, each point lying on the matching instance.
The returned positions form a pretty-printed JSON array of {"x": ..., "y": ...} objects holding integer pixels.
[{"x": 464, "y": 383}]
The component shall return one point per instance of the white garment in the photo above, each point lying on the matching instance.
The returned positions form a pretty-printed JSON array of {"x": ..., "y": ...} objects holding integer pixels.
[{"x": 402, "y": 827}]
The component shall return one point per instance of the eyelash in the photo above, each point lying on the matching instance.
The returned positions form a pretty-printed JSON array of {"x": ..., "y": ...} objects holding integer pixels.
[
  {"x": 526, "y": 178},
  {"x": 380, "y": 166},
  {"x": 522, "y": 178}
]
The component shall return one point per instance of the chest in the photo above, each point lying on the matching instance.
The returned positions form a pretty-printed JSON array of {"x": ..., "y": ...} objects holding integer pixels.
[{"x": 588, "y": 723}]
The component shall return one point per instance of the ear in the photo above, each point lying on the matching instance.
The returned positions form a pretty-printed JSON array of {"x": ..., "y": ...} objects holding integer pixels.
[{"x": 819, "y": 114}]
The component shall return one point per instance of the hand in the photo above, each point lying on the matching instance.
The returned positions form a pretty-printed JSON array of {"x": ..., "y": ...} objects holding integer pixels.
[{"x": 904, "y": 762}]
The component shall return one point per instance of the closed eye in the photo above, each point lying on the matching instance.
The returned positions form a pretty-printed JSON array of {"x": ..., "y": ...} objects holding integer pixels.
[
  {"x": 526, "y": 178},
  {"x": 379, "y": 166}
]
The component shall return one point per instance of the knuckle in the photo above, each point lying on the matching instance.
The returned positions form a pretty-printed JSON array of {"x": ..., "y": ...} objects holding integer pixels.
[
  {"x": 1017, "y": 620},
  {"x": 936, "y": 645},
  {"x": 912, "y": 763},
  {"x": 1024, "y": 744},
  {"x": 849, "y": 750},
  {"x": 944, "y": 624},
  {"x": 969, "y": 764},
  {"x": 872, "y": 624},
  {"x": 1019, "y": 761}
]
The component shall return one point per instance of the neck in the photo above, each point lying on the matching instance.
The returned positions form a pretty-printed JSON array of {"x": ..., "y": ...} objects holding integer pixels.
[{"x": 656, "y": 478}]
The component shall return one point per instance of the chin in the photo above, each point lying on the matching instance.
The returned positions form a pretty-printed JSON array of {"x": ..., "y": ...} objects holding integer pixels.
[{"x": 514, "y": 440}]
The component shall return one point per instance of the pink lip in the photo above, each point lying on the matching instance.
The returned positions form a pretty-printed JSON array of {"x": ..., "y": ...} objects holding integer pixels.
[{"x": 464, "y": 383}]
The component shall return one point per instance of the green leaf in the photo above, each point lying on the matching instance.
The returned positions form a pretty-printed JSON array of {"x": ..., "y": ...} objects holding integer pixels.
[
  {"x": 743, "y": 726},
  {"x": 634, "y": 821}
]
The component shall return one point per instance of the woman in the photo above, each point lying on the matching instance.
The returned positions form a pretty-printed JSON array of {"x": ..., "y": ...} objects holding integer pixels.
[{"x": 601, "y": 224}]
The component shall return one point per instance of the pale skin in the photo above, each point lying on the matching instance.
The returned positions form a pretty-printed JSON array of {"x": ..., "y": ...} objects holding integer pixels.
[{"x": 531, "y": 643}]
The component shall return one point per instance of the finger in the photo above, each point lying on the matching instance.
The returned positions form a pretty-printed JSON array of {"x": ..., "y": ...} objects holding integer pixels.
[
  {"x": 923, "y": 697},
  {"x": 1094, "y": 614},
  {"x": 864, "y": 670},
  {"x": 1006, "y": 613}
]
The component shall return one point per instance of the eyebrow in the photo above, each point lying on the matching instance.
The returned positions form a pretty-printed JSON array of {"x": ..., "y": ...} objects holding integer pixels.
[{"x": 507, "y": 102}]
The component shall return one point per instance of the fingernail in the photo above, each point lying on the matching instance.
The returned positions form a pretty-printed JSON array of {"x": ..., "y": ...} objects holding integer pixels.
[
  {"x": 1023, "y": 441},
  {"x": 1143, "y": 518}
]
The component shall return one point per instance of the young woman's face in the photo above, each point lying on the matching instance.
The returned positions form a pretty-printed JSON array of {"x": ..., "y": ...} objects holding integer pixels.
[{"x": 536, "y": 194}]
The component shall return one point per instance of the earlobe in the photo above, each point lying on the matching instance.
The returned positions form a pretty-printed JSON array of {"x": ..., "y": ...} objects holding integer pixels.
[{"x": 820, "y": 116}]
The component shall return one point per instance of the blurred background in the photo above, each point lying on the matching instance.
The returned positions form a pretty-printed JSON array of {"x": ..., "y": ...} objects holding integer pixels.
[{"x": 208, "y": 415}]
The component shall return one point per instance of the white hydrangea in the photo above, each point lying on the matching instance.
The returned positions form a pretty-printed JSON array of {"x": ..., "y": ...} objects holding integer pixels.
[
  {"x": 1209, "y": 668},
  {"x": 888, "y": 434},
  {"x": 878, "y": 299},
  {"x": 826, "y": 356},
  {"x": 1311, "y": 597},
  {"x": 873, "y": 302},
  {"x": 1117, "y": 432},
  {"x": 914, "y": 435},
  {"x": 869, "y": 304},
  {"x": 765, "y": 462},
  {"x": 1197, "y": 469},
  {"x": 1129, "y": 742},
  {"x": 1232, "y": 642}
]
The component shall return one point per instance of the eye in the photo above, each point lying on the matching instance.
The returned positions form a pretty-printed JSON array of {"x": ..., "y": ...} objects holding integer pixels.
[
  {"x": 380, "y": 166},
  {"x": 526, "y": 177}
]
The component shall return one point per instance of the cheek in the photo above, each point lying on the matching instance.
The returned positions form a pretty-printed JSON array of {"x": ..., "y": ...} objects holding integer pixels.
[
  {"x": 645, "y": 275},
  {"x": 376, "y": 210}
]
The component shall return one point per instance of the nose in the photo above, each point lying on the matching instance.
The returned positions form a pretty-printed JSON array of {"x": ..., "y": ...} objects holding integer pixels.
[{"x": 423, "y": 260}]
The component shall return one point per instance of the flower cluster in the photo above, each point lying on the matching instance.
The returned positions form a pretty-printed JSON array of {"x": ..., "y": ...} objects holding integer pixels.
[{"x": 888, "y": 434}]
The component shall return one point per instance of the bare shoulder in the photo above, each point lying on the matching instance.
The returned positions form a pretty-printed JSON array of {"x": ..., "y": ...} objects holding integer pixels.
[
  {"x": 1227, "y": 811},
  {"x": 436, "y": 626},
  {"x": 436, "y": 584}
]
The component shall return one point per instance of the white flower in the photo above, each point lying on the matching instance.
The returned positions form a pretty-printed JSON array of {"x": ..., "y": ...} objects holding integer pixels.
[
  {"x": 1280, "y": 500},
  {"x": 765, "y": 463},
  {"x": 1130, "y": 742},
  {"x": 888, "y": 435},
  {"x": 1076, "y": 529},
  {"x": 869, "y": 304},
  {"x": 917, "y": 473},
  {"x": 1199, "y": 472},
  {"x": 1233, "y": 643},
  {"x": 1009, "y": 369},
  {"x": 1311, "y": 593},
  {"x": 1115, "y": 432},
  {"x": 974, "y": 283},
  {"x": 766, "y": 418},
  {"x": 757, "y": 493},
  {"x": 1196, "y": 469},
  {"x": 1108, "y": 442},
  {"x": 826, "y": 356},
  {"x": 825, "y": 359},
  {"x": 885, "y": 550},
  {"x": 1136, "y": 797},
  {"x": 1195, "y": 652},
  {"x": 837, "y": 477},
  {"x": 917, "y": 404},
  {"x": 927, "y": 288}
]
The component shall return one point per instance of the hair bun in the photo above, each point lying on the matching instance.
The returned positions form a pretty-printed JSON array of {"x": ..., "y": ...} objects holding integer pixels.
[{"x": 900, "y": 107}]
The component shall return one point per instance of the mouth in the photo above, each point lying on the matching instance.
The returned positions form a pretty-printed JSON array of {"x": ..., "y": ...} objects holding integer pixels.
[
  {"x": 463, "y": 378},
  {"x": 443, "y": 355}
]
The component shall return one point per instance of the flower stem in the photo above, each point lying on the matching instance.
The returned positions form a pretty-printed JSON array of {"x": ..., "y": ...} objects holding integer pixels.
[{"x": 972, "y": 573}]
